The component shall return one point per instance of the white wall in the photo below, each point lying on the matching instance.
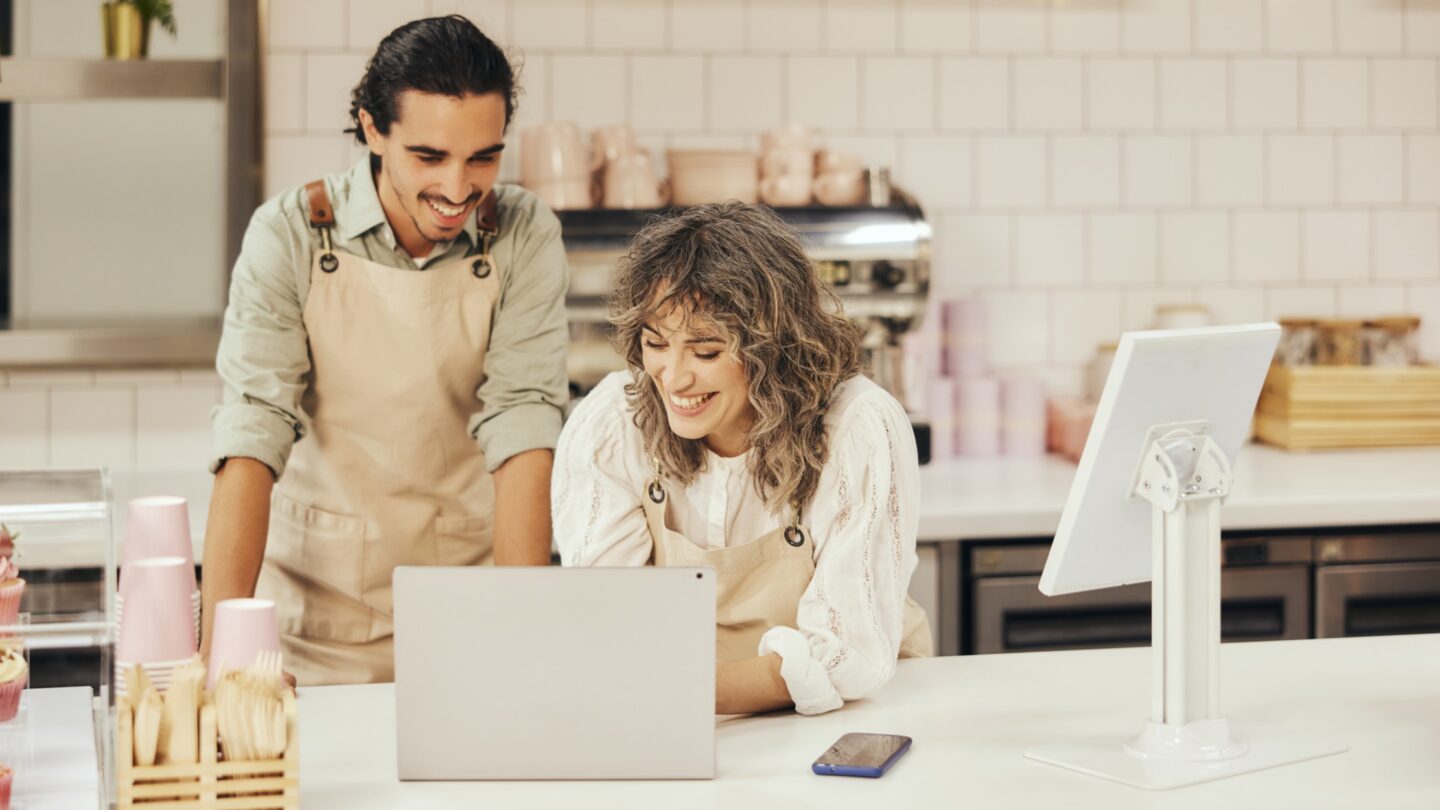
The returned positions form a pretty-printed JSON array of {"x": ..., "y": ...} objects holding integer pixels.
[{"x": 1082, "y": 160}]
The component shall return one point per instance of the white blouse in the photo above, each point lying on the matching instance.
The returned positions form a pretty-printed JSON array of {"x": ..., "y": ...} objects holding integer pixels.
[{"x": 863, "y": 519}]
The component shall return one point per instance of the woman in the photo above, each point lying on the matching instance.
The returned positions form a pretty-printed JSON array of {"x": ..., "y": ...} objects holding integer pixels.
[{"x": 744, "y": 437}]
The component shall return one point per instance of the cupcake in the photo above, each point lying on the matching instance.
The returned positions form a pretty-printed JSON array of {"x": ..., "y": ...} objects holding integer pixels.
[
  {"x": 12, "y": 587},
  {"x": 6, "y": 777},
  {"x": 14, "y": 672}
]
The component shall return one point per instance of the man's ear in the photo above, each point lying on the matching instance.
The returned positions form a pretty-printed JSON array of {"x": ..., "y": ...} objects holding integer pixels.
[{"x": 373, "y": 138}]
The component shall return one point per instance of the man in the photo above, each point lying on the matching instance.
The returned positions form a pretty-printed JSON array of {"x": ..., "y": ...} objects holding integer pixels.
[{"x": 393, "y": 357}]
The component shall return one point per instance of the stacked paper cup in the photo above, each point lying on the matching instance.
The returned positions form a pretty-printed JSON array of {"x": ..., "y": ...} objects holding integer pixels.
[
  {"x": 978, "y": 416},
  {"x": 965, "y": 326},
  {"x": 966, "y": 336},
  {"x": 158, "y": 631},
  {"x": 157, "y": 563},
  {"x": 1022, "y": 416},
  {"x": 940, "y": 407},
  {"x": 243, "y": 629}
]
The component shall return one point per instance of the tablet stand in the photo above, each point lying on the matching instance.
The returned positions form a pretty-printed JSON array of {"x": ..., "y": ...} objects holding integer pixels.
[{"x": 1185, "y": 476}]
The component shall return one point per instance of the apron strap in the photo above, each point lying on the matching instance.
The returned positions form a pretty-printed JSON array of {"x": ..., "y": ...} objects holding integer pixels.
[
  {"x": 487, "y": 223},
  {"x": 322, "y": 213},
  {"x": 487, "y": 216},
  {"x": 322, "y": 218}
]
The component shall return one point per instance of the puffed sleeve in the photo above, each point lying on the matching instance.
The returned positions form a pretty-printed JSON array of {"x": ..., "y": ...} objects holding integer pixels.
[
  {"x": 865, "y": 518},
  {"x": 596, "y": 485}
]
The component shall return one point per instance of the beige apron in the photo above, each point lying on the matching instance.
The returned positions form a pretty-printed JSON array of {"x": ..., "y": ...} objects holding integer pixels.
[
  {"x": 387, "y": 474},
  {"x": 759, "y": 584}
]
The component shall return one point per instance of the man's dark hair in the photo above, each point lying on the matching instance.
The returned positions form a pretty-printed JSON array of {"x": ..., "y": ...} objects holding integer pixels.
[{"x": 446, "y": 56}]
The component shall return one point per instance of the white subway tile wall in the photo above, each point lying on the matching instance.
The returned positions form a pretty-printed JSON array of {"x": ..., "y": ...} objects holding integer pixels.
[
  {"x": 1081, "y": 160},
  {"x": 151, "y": 419}
]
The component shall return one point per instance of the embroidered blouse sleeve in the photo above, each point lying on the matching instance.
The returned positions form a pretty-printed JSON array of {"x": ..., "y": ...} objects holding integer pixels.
[
  {"x": 865, "y": 519},
  {"x": 596, "y": 486}
]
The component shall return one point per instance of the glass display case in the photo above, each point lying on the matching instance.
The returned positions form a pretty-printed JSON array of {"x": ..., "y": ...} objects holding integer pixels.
[{"x": 65, "y": 551}]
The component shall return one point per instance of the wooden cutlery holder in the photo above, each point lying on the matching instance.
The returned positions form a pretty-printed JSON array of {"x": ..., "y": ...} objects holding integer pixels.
[{"x": 211, "y": 784}]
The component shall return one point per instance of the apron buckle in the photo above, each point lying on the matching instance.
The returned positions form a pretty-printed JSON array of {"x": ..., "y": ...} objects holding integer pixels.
[
  {"x": 795, "y": 536},
  {"x": 328, "y": 262},
  {"x": 656, "y": 492},
  {"x": 483, "y": 266}
]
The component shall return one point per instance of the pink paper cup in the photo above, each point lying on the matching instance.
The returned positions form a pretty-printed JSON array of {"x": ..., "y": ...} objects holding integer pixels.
[
  {"x": 158, "y": 527},
  {"x": 243, "y": 628},
  {"x": 159, "y": 620}
]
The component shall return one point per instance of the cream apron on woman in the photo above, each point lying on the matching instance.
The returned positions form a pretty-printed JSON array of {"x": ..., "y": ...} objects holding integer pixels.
[
  {"x": 388, "y": 473},
  {"x": 759, "y": 584}
]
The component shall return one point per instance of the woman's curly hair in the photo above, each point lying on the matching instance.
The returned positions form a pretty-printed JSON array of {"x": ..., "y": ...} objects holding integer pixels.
[{"x": 740, "y": 268}]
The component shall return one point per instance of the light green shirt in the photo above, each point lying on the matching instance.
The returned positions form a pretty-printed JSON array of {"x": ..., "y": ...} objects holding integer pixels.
[{"x": 264, "y": 356}]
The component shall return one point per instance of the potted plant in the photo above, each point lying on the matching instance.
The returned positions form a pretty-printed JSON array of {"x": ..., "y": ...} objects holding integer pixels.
[{"x": 127, "y": 25}]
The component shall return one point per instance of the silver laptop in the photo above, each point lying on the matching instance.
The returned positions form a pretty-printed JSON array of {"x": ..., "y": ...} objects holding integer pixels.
[{"x": 555, "y": 673}]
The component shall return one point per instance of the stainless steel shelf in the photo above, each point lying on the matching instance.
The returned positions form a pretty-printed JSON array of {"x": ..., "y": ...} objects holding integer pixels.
[
  {"x": 38, "y": 79},
  {"x": 174, "y": 344}
]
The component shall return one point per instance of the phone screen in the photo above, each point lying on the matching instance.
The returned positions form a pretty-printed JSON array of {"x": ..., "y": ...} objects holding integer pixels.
[{"x": 863, "y": 750}]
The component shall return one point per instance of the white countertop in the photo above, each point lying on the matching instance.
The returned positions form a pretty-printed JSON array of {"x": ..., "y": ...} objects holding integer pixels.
[
  {"x": 972, "y": 718},
  {"x": 1023, "y": 497}
]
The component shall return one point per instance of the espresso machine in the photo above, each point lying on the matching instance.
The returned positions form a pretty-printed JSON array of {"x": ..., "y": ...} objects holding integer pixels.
[{"x": 875, "y": 258}]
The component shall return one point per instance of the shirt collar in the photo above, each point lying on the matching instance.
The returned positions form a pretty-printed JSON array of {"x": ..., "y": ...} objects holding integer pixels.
[{"x": 364, "y": 213}]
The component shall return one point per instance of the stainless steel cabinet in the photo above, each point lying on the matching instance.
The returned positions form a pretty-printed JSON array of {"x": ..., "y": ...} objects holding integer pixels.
[
  {"x": 1265, "y": 595},
  {"x": 1377, "y": 584}
]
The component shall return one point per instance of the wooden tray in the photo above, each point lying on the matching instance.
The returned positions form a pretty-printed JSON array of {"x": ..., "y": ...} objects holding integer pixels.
[
  {"x": 1311, "y": 407},
  {"x": 208, "y": 784}
]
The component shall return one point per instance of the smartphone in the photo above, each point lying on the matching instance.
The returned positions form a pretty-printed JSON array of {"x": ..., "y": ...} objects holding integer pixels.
[{"x": 869, "y": 755}]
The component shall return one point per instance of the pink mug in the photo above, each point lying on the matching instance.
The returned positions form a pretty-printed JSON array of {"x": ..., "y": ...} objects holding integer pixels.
[
  {"x": 609, "y": 143},
  {"x": 786, "y": 190},
  {"x": 630, "y": 182},
  {"x": 796, "y": 161},
  {"x": 828, "y": 161},
  {"x": 840, "y": 188},
  {"x": 568, "y": 194},
  {"x": 551, "y": 152},
  {"x": 790, "y": 136}
]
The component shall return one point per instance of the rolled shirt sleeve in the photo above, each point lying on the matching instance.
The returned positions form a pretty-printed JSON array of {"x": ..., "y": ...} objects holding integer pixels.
[
  {"x": 524, "y": 390},
  {"x": 263, "y": 357}
]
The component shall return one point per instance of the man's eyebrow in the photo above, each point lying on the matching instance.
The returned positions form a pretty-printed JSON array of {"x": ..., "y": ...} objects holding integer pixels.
[{"x": 421, "y": 149}]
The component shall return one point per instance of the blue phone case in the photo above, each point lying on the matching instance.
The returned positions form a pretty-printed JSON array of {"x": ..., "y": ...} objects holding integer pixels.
[{"x": 867, "y": 771}]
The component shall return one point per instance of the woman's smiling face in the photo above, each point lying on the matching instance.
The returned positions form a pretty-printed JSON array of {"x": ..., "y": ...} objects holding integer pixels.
[{"x": 700, "y": 380}]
